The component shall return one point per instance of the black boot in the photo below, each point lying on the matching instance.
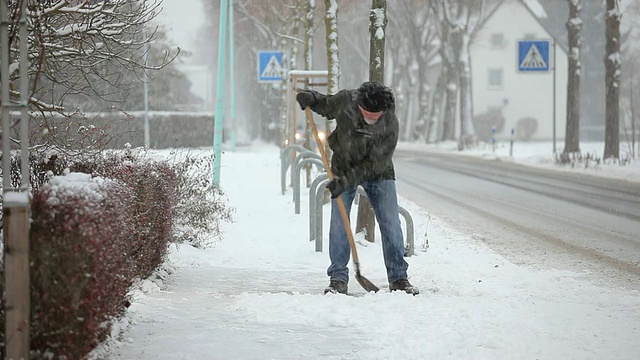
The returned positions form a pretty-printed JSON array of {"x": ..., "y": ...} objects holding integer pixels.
[
  {"x": 336, "y": 287},
  {"x": 404, "y": 285}
]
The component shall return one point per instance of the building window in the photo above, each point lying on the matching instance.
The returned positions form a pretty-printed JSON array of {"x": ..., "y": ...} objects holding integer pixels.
[
  {"x": 497, "y": 40},
  {"x": 495, "y": 78}
]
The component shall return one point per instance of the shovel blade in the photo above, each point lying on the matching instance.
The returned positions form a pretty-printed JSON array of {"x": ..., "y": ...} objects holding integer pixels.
[{"x": 366, "y": 284}]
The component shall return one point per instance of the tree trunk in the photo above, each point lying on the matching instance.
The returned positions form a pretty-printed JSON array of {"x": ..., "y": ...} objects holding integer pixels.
[
  {"x": 466, "y": 102},
  {"x": 377, "y": 28},
  {"x": 612, "y": 81},
  {"x": 449, "y": 120},
  {"x": 633, "y": 115},
  {"x": 308, "y": 35},
  {"x": 448, "y": 54},
  {"x": 308, "y": 10},
  {"x": 436, "y": 106},
  {"x": 423, "y": 108},
  {"x": 406, "y": 94},
  {"x": 574, "y": 26},
  {"x": 333, "y": 62}
]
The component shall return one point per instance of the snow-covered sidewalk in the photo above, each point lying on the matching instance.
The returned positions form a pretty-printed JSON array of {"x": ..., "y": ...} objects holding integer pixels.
[{"x": 257, "y": 295}]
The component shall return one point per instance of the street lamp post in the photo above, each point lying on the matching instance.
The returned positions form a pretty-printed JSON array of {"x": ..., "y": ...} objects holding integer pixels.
[
  {"x": 219, "y": 113},
  {"x": 147, "y": 139}
]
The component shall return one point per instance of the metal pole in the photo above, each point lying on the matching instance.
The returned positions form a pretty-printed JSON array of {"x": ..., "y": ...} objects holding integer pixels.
[
  {"x": 289, "y": 82},
  {"x": 217, "y": 127},
  {"x": 511, "y": 143},
  {"x": 24, "y": 99},
  {"x": 232, "y": 85},
  {"x": 4, "y": 76},
  {"x": 147, "y": 139},
  {"x": 15, "y": 204},
  {"x": 554, "y": 96}
]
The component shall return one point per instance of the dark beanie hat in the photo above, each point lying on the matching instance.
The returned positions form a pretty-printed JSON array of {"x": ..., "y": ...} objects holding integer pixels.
[{"x": 374, "y": 97}]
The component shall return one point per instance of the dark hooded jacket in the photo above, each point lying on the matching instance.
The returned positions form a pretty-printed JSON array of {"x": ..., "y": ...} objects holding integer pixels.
[{"x": 361, "y": 152}]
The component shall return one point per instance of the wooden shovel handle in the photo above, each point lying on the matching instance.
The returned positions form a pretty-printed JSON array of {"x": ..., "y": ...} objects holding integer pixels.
[{"x": 341, "y": 207}]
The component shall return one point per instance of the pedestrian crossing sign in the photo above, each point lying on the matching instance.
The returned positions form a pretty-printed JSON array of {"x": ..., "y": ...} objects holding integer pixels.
[
  {"x": 533, "y": 55},
  {"x": 270, "y": 68}
]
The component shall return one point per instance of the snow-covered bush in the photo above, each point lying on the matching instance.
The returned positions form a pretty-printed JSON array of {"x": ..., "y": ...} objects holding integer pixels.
[
  {"x": 526, "y": 128},
  {"x": 106, "y": 223},
  {"x": 201, "y": 206},
  {"x": 484, "y": 124},
  {"x": 81, "y": 268},
  {"x": 153, "y": 184},
  {"x": 92, "y": 234}
]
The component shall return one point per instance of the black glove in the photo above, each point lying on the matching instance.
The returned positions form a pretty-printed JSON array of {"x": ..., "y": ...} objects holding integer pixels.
[
  {"x": 307, "y": 98},
  {"x": 337, "y": 186}
]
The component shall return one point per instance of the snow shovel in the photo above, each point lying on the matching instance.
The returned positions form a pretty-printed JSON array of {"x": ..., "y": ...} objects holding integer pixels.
[{"x": 364, "y": 282}]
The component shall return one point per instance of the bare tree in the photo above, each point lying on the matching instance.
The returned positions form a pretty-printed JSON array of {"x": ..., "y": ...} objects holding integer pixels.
[
  {"x": 613, "y": 72},
  {"x": 462, "y": 27},
  {"x": 629, "y": 92},
  {"x": 377, "y": 27},
  {"x": 333, "y": 60},
  {"x": 447, "y": 86},
  {"x": 308, "y": 34},
  {"x": 413, "y": 49},
  {"x": 259, "y": 25},
  {"x": 574, "y": 25},
  {"x": 86, "y": 48}
]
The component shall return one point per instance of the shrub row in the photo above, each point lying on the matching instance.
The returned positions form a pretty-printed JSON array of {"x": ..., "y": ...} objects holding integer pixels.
[
  {"x": 154, "y": 185},
  {"x": 81, "y": 269},
  {"x": 93, "y": 232}
]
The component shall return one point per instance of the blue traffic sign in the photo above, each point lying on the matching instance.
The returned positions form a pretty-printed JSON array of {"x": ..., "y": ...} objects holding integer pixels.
[
  {"x": 270, "y": 67},
  {"x": 533, "y": 55}
]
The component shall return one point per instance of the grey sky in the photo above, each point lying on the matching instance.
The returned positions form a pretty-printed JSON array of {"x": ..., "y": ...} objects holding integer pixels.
[{"x": 182, "y": 18}]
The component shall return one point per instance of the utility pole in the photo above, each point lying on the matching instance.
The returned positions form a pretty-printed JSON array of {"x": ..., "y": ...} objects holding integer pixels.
[
  {"x": 147, "y": 139},
  {"x": 232, "y": 85},
  {"x": 219, "y": 113},
  {"x": 15, "y": 203}
]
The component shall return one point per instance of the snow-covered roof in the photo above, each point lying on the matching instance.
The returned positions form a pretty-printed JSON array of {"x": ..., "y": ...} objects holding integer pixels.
[{"x": 536, "y": 8}]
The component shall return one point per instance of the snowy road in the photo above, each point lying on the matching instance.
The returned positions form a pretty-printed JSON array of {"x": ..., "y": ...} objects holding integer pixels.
[{"x": 542, "y": 218}]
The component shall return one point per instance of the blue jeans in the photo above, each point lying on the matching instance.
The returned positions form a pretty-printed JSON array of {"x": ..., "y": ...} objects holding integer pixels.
[{"x": 384, "y": 200}]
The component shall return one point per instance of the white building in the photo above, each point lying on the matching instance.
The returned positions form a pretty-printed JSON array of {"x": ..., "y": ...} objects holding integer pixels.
[{"x": 498, "y": 85}]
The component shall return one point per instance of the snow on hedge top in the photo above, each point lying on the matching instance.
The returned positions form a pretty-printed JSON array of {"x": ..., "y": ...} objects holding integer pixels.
[{"x": 74, "y": 185}]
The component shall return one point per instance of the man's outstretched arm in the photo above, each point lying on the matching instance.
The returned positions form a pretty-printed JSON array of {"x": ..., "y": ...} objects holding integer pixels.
[{"x": 326, "y": 105}]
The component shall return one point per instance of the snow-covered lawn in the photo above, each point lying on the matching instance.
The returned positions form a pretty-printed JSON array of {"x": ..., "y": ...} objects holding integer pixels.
[{"x": 257, "y": 293}]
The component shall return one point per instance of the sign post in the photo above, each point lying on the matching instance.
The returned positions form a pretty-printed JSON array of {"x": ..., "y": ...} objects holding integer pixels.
[
  {"x": 534, "y": 57},
  {"x": 15, "y": 201},
  {"x": 270, "y": 68}
]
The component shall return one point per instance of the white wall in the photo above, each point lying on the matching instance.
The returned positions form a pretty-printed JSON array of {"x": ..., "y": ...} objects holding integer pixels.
[{"x": 522, "y": 94}]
